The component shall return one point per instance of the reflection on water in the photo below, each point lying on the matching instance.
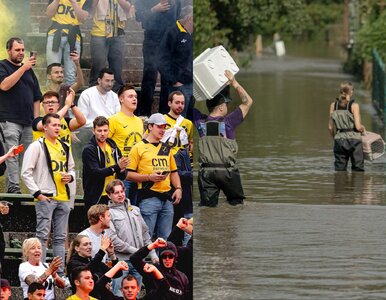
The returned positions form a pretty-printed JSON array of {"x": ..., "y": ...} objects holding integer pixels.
[{"x": 305, "y": 232}]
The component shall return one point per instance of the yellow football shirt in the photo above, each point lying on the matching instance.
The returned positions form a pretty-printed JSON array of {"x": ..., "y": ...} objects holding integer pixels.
[
  {"x": 110, "y": 162},
  {"x": 186, "y": 124},
  {"x": 100, "y": 28},
  {"x": 125, "y": 131},
  {"x": 58, "y": 165},
  {"x": 147, "y": 158}
]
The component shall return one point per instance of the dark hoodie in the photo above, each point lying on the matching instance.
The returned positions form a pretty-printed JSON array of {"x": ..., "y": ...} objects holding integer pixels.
[
  {"x": 177, "y": 281},
  {"x": 96, "y": 266},
  {"x": 95, "y": 171}
]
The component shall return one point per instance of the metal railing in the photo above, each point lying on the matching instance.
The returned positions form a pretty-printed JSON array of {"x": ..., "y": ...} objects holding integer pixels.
[{"x": 379, "y": 84}]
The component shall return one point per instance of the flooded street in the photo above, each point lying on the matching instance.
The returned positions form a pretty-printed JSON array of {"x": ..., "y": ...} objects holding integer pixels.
[{"x": 305, "y": 232}]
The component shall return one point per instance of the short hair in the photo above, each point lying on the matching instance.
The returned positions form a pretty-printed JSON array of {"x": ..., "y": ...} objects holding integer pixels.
[
  {"x": 113, "y": 183},
  {"x": 129, "y": 277},
  {"x": 95, "y": 212},
  {"x": 28, "y": 244},
  {"x": 103, "y": 71},
  {"x": 10, "y": 42},
  {"x": 171, "y": 95},
  {"x": 100, "y": 121},
  {"x": 49, "y": 67},
  {"x": 186, "y": 11},
  {"x": 47, "y": 118},
  {"x": 50, "y": 94},
  {"x": 75, "y": 274},
  {"x": 35, "y": 286},
  {"x": 125, "y": 88}
]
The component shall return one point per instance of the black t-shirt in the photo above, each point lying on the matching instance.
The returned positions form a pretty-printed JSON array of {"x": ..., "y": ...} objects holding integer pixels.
[{"x": 17, "y": 104}]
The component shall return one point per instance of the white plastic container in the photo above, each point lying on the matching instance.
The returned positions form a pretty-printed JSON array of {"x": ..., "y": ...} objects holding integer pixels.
[
  {"x": 208, "y": 72},
  {"x": 279, "y": 48}
]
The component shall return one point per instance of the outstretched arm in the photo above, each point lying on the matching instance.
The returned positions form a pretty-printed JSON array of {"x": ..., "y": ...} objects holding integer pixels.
[{"x": 246, "y": 100}]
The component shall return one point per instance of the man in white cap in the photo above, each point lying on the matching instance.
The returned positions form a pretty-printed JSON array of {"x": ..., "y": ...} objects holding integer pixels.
[{"x": 152, "y": 165}]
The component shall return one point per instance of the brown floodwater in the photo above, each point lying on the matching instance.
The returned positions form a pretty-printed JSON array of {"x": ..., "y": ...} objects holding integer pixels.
[{"x": 305, "y": 231}]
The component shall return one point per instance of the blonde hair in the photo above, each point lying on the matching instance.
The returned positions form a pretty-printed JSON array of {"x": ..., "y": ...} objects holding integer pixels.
[
  {"x": 95, "y": 212},
  {"x": 346, "y": 92},
  {"x": 28, "y": 244}
]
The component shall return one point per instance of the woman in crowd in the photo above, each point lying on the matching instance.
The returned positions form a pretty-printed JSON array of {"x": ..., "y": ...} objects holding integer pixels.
[
  {"x": 79, "y": 254},
  {"x": 33, "y": 270}
]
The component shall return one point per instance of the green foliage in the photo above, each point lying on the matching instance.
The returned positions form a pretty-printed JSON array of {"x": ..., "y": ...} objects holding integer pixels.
[
  {"x": 235, "y": 24},
  {"x": 372, "y": 35},
  {"x": 321, "y": 15},
  {"x": 207, "y": 34}
]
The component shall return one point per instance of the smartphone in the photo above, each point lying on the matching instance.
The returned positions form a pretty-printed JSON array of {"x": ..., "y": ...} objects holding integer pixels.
[
  {"x": 18, "y": 149},
  {"x": 33, "y": 54},
  {"x": 165, "y": 173}
]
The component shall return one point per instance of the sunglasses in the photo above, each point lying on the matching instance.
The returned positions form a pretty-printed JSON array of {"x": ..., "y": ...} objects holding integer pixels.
[{"x": 170, "y": 256}]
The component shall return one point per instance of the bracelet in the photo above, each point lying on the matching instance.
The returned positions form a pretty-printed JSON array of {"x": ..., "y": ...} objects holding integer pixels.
[
  {"x": 72, "y": 105},
  {"x": 178, "y": 188}
]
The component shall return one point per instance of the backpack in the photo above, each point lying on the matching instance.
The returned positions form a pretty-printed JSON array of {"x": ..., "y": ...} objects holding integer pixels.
[{"x": 3, "y": 167}]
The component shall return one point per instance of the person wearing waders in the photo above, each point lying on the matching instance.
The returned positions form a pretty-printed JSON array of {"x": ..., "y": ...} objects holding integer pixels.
[
  {"x": 345, "y": 127},
  {"x": 218, "y": 148}
]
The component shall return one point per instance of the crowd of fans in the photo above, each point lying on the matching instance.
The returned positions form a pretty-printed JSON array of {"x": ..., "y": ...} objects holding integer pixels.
[
  {"x": 136, "y": 166},
  {"x": 138, "y": 210}
]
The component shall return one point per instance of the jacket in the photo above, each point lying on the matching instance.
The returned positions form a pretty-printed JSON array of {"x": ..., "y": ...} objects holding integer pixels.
[
  {"x": 128, "y": 230},
  {"x": 177, "y": 281},
  {"x": 176, "y": 55},
  {"x": 95, "y": 171},
  {"x": 36, "y": 170},
  {"x": 96, "y": 266}
]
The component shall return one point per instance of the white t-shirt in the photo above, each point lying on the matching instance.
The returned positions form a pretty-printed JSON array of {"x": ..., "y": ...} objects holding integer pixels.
[
  {"x": 95, "y": 242},
  {"x": 93, "y": 104},
  {"x": 26, "y": 269}
]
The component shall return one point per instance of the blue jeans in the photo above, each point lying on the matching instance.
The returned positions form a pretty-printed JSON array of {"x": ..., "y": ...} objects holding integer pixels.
[
  {"x": 15, "y": 134},
  {"x": 56, "y": 212},
  {"x": 131, "y": 191},
  {"x": 158, "y": 213},
  {"x": 117, "y": 282},
  {"x": 63, "y": 53},
  {"x": 107, "y": 52}
]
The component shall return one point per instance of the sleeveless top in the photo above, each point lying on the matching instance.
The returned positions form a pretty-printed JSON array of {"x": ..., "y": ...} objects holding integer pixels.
[{"x": 344, "y": 122}]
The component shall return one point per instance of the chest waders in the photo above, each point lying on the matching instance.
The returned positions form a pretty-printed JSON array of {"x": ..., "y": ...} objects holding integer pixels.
[
  {"x": 347, "y": 140},
  {"x": 218, "y": 171}
]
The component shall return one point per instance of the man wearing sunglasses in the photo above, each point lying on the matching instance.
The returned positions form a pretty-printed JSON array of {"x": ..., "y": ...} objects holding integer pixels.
[
  {"x": 152, "y": 165},
  {"x": 176, "y": 280}
]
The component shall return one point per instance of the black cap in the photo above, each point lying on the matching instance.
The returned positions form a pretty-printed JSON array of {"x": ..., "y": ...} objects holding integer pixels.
[
  {"x": 4, "y": 283},
  {"x": 217, "y": 100}
]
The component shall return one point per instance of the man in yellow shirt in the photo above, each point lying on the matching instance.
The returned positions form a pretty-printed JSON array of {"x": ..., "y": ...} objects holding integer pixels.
[
  {"x": 152, "y": 165},
  {"x": 126, "y": 130},
  {"x": 48, "y": 167},
  {"x": 84, "y": 284},
  {"x": 107, "y": 42}
]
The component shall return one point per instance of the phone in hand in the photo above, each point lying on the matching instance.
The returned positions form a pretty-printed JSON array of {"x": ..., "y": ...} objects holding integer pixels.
[
  {"x": 33, "y": 54},
  {"x": 18, "y": 149},
  {"x": 165, "y": 173}
]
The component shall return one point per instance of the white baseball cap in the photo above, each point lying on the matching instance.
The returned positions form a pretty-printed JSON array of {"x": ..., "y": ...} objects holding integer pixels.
[{"x": 157, "y": 119}]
